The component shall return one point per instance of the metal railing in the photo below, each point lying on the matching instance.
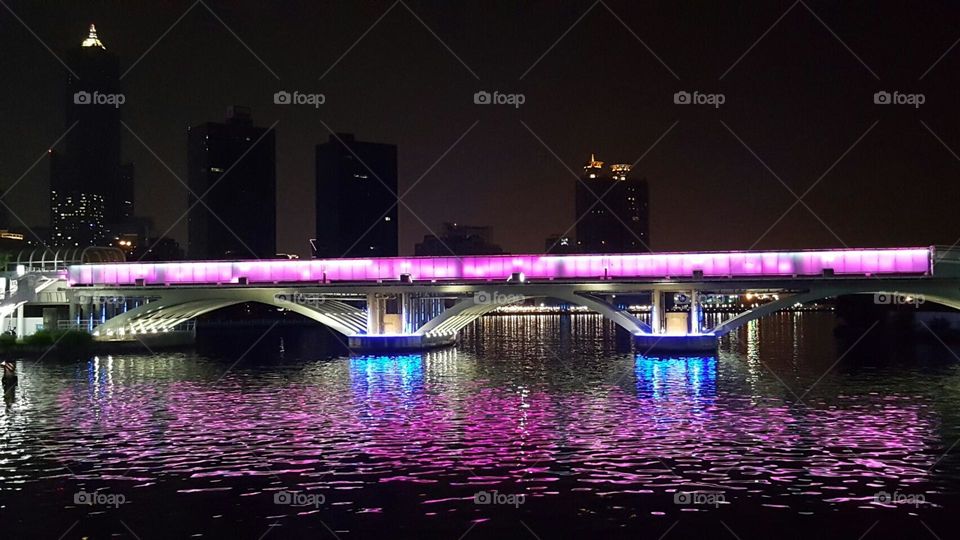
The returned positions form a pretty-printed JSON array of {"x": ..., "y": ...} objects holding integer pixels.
[{"x": 88, "y": 325}]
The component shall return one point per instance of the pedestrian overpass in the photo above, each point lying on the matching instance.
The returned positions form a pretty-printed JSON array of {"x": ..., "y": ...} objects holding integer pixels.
[{"x": 402, "y": 303}]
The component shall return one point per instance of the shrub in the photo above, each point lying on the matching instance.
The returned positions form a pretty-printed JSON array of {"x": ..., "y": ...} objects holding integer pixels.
[
  {"x": 73, "y": 339},
  {"x": 41, "y": 337}
]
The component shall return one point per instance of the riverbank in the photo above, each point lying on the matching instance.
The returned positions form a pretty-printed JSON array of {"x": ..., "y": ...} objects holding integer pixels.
[{"x": 80, "y": 343}]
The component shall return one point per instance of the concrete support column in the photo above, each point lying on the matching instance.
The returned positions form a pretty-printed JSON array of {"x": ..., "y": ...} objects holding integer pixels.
[
  {"x": 375, "y": 309},
  {"x": 656, "y": 314},
  {"x": 21, "y": 324},
  {"x": 85, "y": 311},
  {"x": 51, "y": 318},
  {"x": 406, "y": 313},
  {"x": 694, "y": 312}
]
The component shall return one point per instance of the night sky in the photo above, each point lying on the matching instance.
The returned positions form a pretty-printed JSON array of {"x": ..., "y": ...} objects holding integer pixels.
[{"x": 801, "y": 99}]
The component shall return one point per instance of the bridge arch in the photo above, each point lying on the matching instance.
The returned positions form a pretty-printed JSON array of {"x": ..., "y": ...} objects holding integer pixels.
[
  {"x": 467, "y": 310},
  {"x": 946, "y": 296},
  {"x": 170, "y": 310}
]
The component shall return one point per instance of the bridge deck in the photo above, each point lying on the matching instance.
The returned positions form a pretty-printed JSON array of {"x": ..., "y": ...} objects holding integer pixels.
[{"x": 719, "y": 265}]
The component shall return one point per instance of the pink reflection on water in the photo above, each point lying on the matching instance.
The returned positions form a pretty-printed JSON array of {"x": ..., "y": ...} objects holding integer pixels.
[{"x": 403, "y": 420}]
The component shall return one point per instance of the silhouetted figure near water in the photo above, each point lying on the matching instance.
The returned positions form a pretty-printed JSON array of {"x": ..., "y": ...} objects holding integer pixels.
[
  {"x": 9, "y": 381},
  {"x": 9, "y": 374}
]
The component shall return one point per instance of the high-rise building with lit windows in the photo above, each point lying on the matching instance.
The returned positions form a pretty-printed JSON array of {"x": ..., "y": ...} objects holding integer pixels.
[
  {"x": 78, "y": 218},
  {"x": 232, "y": 203},
  {"x": 356, "y": 198},
  {"x": 612, "y": 209},
  {"x": 90, "y": 190}
]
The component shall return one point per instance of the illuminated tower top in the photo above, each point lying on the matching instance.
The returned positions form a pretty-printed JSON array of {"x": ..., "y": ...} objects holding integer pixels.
[
  {"x": 92, "y": 39},
  {"x": 593, "y": 163},
  {"x": 620, "y": 170}
]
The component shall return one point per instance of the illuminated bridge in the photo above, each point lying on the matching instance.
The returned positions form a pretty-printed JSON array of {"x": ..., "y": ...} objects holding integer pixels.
[{"x": 421, "y": 302}]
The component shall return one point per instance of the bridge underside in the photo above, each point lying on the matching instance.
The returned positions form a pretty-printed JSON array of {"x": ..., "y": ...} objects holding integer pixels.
[
  {"x": 384, "y": 317},
  {"x": 164, "y": 311}
]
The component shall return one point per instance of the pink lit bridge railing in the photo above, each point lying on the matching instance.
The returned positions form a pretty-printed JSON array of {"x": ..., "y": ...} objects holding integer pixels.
[{"x": 716, "y": 265}]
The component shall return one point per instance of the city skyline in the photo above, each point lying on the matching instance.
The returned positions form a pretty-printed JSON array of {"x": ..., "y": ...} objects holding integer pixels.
[
  {"x": 490, "y": 163},
  {"x": 479, "y": 269}
]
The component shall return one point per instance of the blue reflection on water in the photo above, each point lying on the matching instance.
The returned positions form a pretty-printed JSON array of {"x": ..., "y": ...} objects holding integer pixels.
[
  {"x": 403, "y": 374},
  {"x": 97, "y": 376},
  {"x": 661, "y": 376}
]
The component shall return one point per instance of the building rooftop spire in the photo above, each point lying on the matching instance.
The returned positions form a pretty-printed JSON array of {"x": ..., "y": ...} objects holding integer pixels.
[
  {"x": 593, "y": 163},
  {"x": 92, "y": 39}
]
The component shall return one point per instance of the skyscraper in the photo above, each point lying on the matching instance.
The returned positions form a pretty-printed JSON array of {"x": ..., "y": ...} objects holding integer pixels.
[
  {"x": 356, "y": 198},
  {"x": 612, "y": 209},
  {"x": 457, "y": 239},
  {"x": 125, "y": 193},
  {"x": 232, "y": 167},
  {"x": 89, "y": 189},
  {"x": 559, "y": 244}
]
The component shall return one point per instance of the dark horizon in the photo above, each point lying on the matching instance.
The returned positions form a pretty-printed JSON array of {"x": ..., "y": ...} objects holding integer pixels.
[{"x": 798, "y": 94}]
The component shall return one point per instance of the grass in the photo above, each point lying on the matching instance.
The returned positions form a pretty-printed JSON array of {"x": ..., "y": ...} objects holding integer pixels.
[{"x": 61, "y": 340}]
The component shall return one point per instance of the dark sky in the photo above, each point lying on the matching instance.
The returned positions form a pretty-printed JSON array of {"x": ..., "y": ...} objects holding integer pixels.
[{"x": 800, "y": 99}]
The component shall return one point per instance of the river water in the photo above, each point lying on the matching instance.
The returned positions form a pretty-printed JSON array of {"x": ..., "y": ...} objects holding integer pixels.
[{"x": 534, "y": 427}]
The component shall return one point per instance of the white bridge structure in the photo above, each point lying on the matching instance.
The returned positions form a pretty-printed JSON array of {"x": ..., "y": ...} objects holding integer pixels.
[
  {"x": 34, "y": 288},
  {"x": 409, "y": 303}
]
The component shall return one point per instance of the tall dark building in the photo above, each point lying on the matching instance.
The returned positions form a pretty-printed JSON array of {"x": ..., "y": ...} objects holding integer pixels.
[
  {"x": 125, "y": 193},
  {"x": 89, "y": 188},
  {"x": 356, "y": 205},
  {"x": 457, "y": 239},
  {"x": 557, "y": 244},
  {"x": 613, "y": 210},
  {"x": 232, "y": 166}
]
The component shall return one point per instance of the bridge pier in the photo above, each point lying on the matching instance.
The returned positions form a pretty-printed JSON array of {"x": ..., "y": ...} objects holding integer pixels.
[
  {"x": 656, "y": 312},
  {"x": 406, "y": 316},
  {"x": 401, "y": 331},
  {"x": 389, "y": 343},
  {"x": 694, "y": 312},
  {"x": 676, "y": 343},
  {"x": 376, "y": 307},
  {"x": 661, "y": 338}
]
